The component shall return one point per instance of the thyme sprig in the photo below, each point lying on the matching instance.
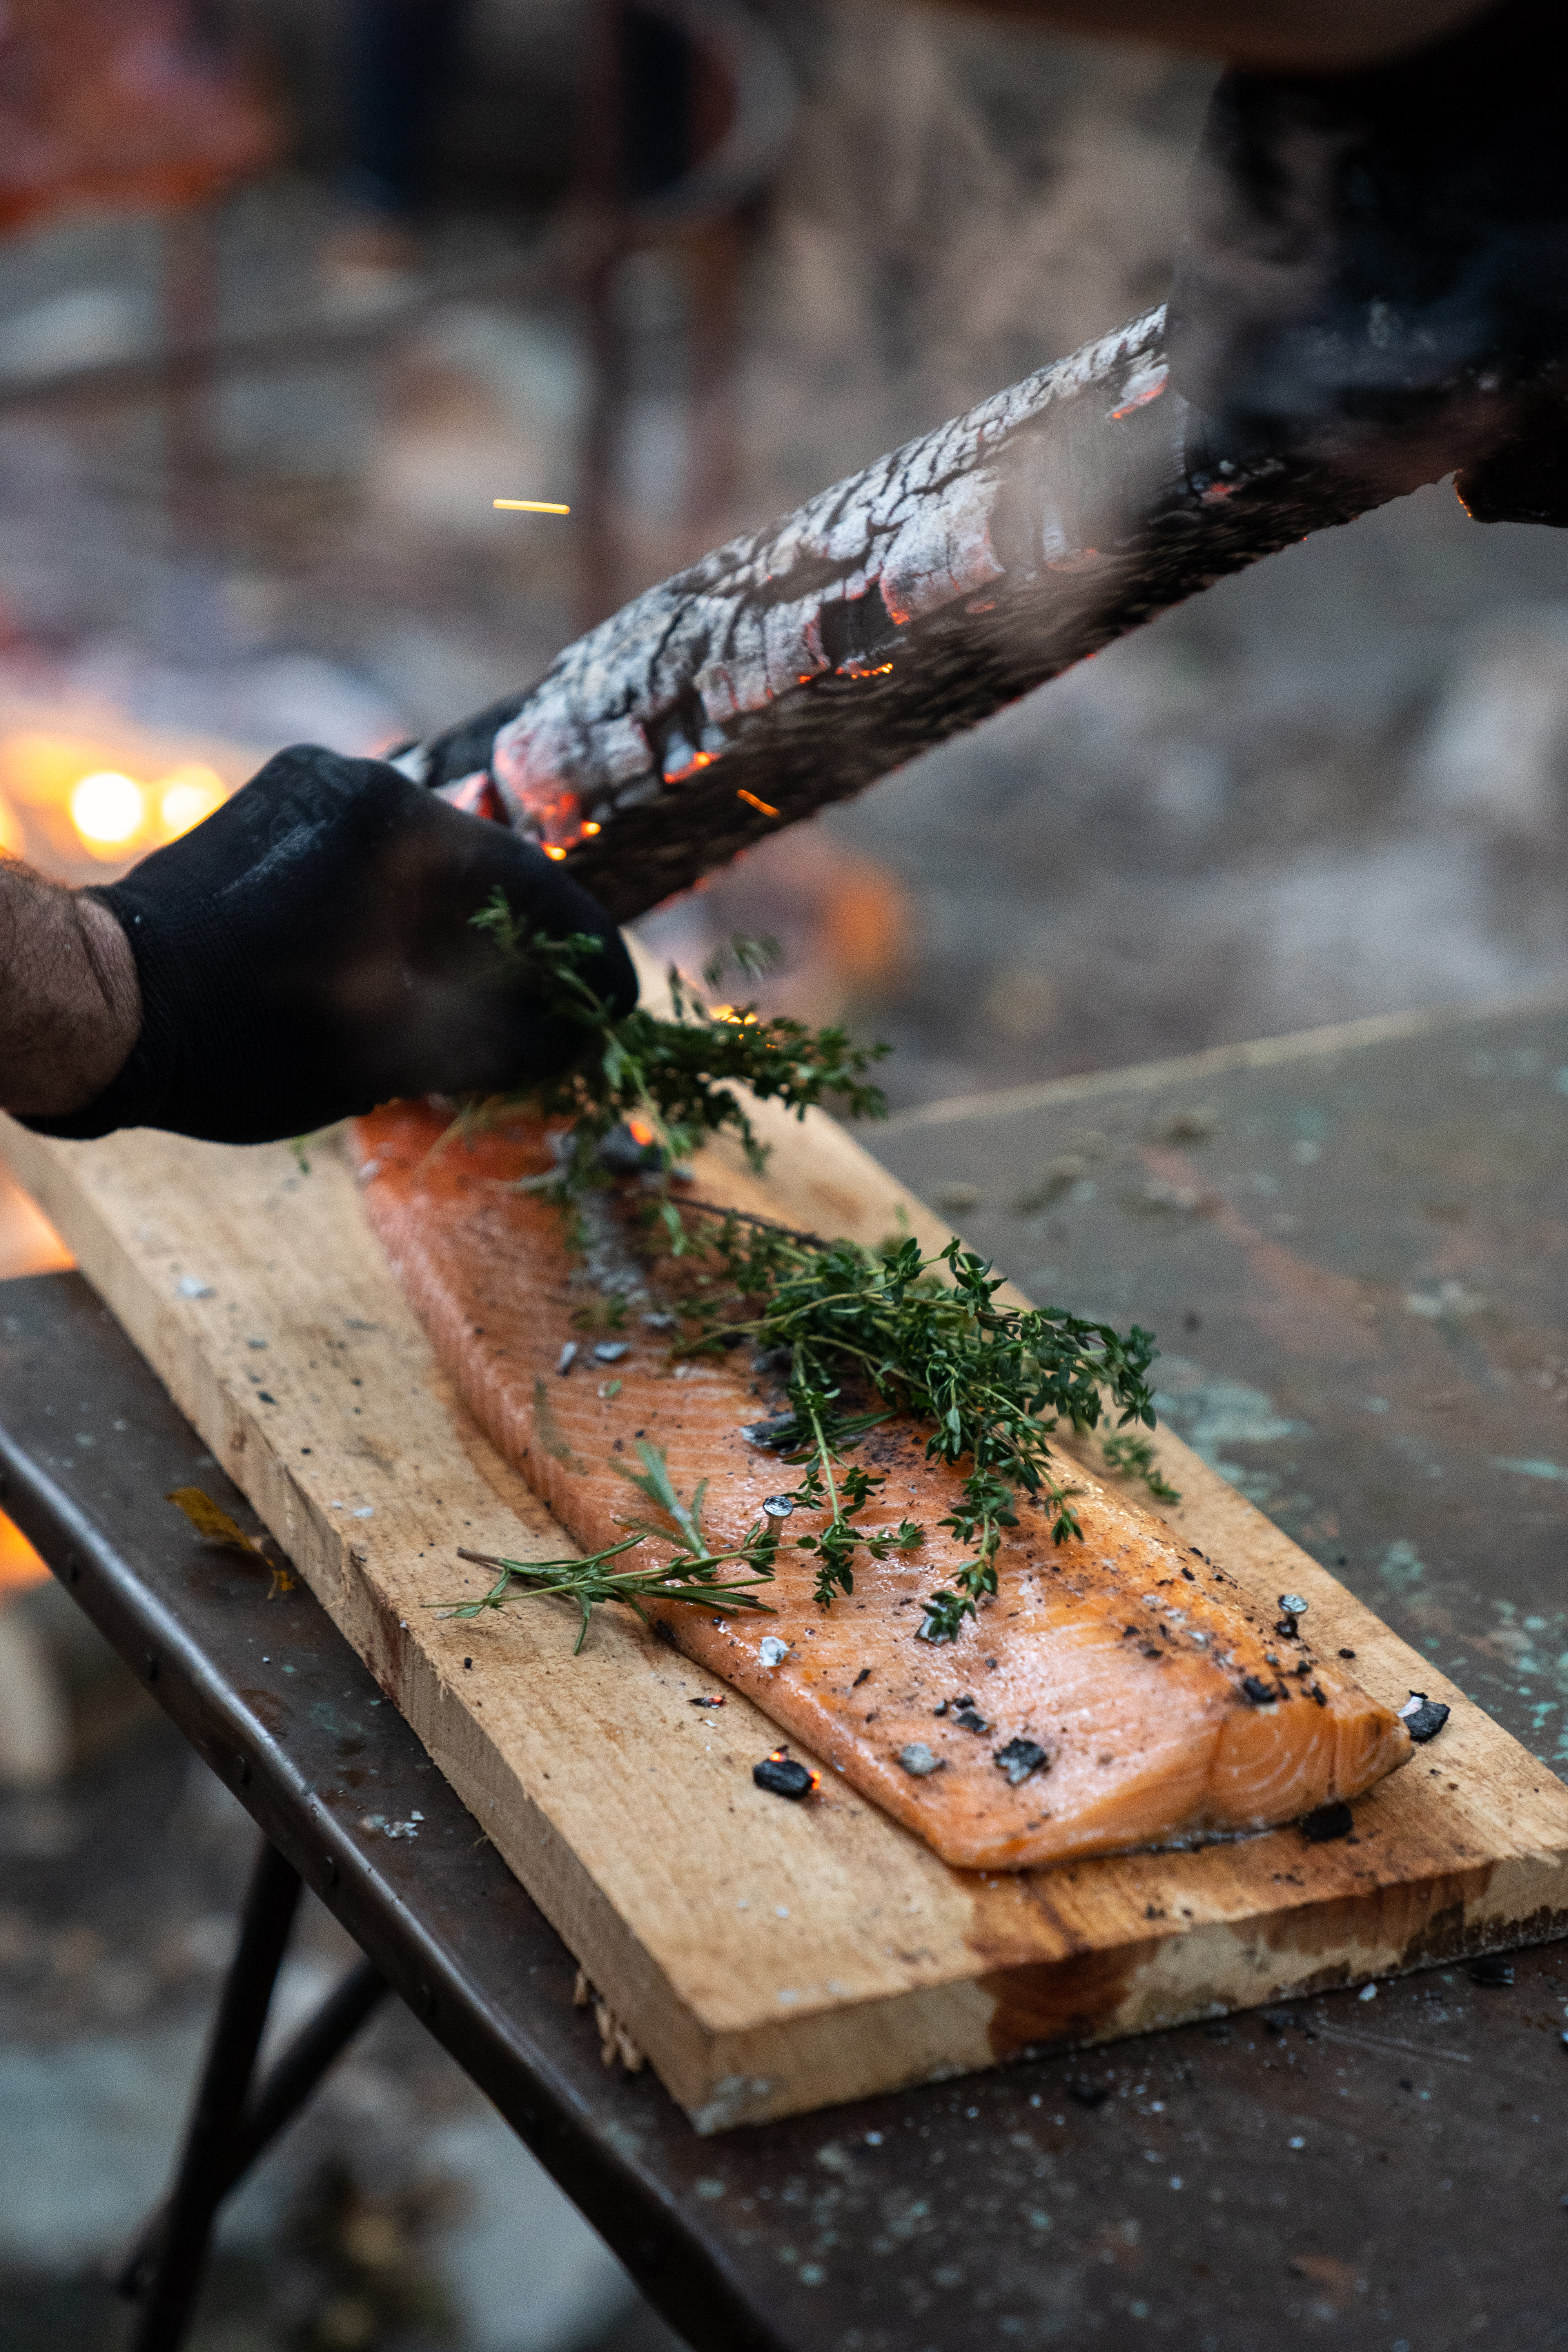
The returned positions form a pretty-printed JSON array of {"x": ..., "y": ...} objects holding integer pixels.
[
  {"x": 1133, "y": 1457},
  {"x": 854, "y": 1335},
  {"x": 671, "y": 1081},
  {"x": 922, "y": 1336}
]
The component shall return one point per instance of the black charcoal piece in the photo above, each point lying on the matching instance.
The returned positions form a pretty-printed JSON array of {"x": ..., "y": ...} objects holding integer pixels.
[
  {"x": 1347, "y": 1653},
  {"x": 1327, "y": 1822},
  {"x": 863, "y": 1676},
  {"x": 782, "y": 1430},
  {"x": 1261, "y": 1694},
  {"x": 1423, "y": 1717},
  {"x": 1088, "y": 2095},
  {"x": 704, "y": 1702},
  {"x": 1019, "y": 1758},
  {"x": 623, "y": 1155},
  {"x": 1491, "y": 1971},
  {"x": 970, "y": 1717},
  {"x": 783, "y": 1777},
  {"x": 919, "y": 1760}
]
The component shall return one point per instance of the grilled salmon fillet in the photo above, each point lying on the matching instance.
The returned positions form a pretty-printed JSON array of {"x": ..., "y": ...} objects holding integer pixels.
[{"x": 1121, "y": 1692}]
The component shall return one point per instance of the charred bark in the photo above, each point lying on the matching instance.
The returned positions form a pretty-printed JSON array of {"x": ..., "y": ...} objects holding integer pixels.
[{"x": 794, "y": 666}]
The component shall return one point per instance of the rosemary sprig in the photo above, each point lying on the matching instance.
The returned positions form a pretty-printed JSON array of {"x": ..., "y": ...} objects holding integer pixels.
[{"x": 691, "y": 1573}]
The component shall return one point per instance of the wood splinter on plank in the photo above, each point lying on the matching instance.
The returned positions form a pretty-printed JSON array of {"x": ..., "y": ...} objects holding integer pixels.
[{"x": 615, "y": 2044}]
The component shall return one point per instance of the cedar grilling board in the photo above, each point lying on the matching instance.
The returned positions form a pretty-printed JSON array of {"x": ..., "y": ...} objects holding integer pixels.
[{"x": 768, "y": 1958}]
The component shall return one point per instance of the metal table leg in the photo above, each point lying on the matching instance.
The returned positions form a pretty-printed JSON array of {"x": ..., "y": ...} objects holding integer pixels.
[
  {"x": 284, "y": 2091},
  {"x": 213, "y": 2131}
]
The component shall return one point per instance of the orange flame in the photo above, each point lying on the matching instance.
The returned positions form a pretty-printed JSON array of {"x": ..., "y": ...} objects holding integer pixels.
[
  {"x": 642, "y": 1130},
  {"x": 755, "y": 802}
]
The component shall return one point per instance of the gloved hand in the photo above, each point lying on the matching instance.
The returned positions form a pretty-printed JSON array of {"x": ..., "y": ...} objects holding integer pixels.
[
  {"x": 307, "y": 952},
  {"x": 1366, "y": 246}
]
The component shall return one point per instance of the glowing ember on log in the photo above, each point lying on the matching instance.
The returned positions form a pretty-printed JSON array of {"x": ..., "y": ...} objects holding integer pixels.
[{"x": 793, "y": 667}]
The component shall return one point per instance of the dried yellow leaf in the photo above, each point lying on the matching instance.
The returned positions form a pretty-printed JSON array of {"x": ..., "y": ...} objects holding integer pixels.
[{"x": 212, "y": 1522}]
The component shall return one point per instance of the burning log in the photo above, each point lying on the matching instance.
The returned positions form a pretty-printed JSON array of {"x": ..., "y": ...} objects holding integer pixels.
[{"x": 793, "y": 667}]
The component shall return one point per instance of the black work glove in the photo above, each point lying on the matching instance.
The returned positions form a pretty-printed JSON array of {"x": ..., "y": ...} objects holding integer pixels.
[
  {"x": 1365, "y": 247},
  {"x": 307, "y": 952}
]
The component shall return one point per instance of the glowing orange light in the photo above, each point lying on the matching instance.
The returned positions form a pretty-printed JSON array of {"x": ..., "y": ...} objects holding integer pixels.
[
  {"x": 107, "y": 810},
  {"x": 737, "y": 1020},
  {"x": 552, "y": 849},
  {"x": 529, "y": 505},
  {"x": 590, "y": 828},
  {"x": 752, "y": 802},
  {"x": 782, "y": 1756},
  {"x": 19, "y": 1563},
  {"x": 642, "y": 1130},
  {"x": 187, "y": 796}
]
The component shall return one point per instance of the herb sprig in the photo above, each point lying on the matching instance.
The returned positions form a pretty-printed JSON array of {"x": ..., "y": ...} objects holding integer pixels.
[
  {"x": 922, "y": 1336},
  {"x": 691, "y": 1573},
  {"x": 854, "y": 1335},
  {"x": 672, "y": 1082}
]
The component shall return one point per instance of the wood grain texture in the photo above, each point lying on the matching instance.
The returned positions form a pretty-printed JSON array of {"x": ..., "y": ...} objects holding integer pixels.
[{"x": 768, "y": 1958}]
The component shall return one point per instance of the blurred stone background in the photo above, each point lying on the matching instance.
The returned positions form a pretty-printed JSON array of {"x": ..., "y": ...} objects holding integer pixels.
[{"x": 1336, "y": 786}]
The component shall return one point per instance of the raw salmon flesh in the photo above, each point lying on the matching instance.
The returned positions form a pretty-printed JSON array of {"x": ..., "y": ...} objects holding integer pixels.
[{"x": 1121, "y": 1692}]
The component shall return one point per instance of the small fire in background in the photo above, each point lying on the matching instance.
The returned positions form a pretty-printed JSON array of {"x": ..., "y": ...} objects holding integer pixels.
[
  {"x": 20, "y": 1566},
  {"x": 81, "y": 802},
  {"x": 28, "y": 1244}
]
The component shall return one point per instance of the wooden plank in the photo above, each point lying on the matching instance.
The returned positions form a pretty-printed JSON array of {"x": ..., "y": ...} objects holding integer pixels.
[{"x": 767, "y": 1958}]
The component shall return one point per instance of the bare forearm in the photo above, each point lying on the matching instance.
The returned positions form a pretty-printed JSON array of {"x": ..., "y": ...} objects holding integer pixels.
[
  {"x": 1303, "y": 34},
  {"x": 70, "y": 1004}
]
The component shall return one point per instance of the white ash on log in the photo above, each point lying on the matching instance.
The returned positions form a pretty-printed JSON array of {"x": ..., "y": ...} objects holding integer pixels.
[{"x": 794, "y": 666}]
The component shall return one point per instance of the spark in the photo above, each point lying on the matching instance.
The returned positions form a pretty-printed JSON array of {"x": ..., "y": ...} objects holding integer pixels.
[
  {"x": 529, "y": 505},
  {"x": 754, "y": 801},
  {"x": 552, "y": 849}
]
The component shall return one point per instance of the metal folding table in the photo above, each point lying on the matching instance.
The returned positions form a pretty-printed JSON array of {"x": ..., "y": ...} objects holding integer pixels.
[{"x": 1357, "y": 1257}]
